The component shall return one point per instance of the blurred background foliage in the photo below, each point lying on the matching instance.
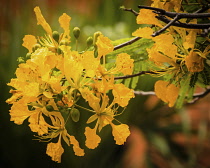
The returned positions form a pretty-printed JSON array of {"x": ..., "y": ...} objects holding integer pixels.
[{"x": 161, "y": 137}]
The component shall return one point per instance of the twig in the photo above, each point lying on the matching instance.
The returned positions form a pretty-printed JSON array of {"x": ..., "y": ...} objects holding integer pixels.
[
  {"x": 174, "y": 14},
  {"x": 137, "y": 74},
  {"x": 197, "y": 96},
  {"x": 144, "y": 93},
  {"x": 177, "y": 17},
  {"x": 127, "y": 43},
  {"x": 184, "y": 25},
  {"x": 131, "y": 10}
]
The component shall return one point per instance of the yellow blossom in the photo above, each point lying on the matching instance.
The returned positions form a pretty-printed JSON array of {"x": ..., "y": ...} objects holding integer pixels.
[
  {"x": 77, "y": 150},
  {"x": 92, "y": 139},
  {"x": 55, "y": 150},
  {"x": 124, "y": 64},
  {"x": 19, "y": 112},
  {"x": 147, "y": 17},
  {"x": 38, "y": 124},
  {"x": 194, "y": 62},
  {"x": 41, "y": 21},
  {"x": 29, "y": 41},
  {"x": 122, "y": 94},
  {"x": 120, "y": 133},
  {"x": 145, "y": 32},
  {"x": 104, "y": 46},
  {"x": 166, "y": 92},
  {"x": 64, "y": 21}
]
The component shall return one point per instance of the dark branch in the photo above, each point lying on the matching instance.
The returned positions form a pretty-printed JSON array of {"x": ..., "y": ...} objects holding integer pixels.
[
  {"x": 197, "y": 96},
  {"x": 174, "y": 14},
  {"x": 137, "y": 74},
  {"x": 127, "y": 43},
  {"x": 131, "y": 10},
  {"x": 167, "y": 26},
  {"x": 184, "y": 25},
  {"x": 177, "y": 16}
]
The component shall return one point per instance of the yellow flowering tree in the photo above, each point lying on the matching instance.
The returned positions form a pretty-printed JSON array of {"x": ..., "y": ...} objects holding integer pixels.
[{"x": 53, "y": 78}]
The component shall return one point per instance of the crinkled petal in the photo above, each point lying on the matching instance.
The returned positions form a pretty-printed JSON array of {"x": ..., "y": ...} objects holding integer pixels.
[
  {"x": 41, "y": 21},
  {"x": 77, "y": 150},
  {"x": 92, "y": 139},
  {"x": 64, "y": 21},
  {"x": 29, "y": 41},
  {"x": 104, "y": 46},
  {"x": 55, "y": 151},
  {"x": 120, "y": 133},
  {"x": 145, "y": 32}
]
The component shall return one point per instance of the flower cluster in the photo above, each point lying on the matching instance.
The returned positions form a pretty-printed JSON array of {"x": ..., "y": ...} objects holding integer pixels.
[
  {"x": 52, "y": 79},
  {"x": 174, "y": 53}
]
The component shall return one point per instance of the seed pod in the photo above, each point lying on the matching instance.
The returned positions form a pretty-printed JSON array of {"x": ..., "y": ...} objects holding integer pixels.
[
  {"x": 49, "y": 108},
  {"x": 55, "y": 36},
  {"x": 28, "y": 55},
  {"x": 21, "y": 60},
  {"x": 76, "y": 32},
  {"x": 75, "y": 114},
  {"x": 89, "y": 41}
]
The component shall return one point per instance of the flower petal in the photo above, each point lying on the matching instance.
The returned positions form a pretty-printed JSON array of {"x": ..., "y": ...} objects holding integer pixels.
[
  {"x": 120, "y": 133},
  {"x": 92, "y": 139}
]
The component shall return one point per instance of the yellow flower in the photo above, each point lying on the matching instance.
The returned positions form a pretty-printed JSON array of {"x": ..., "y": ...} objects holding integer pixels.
[
  {"x": 77, "y": 150},
  {"x": 167, "y": 5},
  {"x": 90, "y": 63},
  {"x": 124, "y": 64},
  {"x": 38, "y": 124},
  {"x": 64, "y": 21},
  {"x": 29, "y": 41},
  {"x": 104, "y": 46},
  {"x": 19, "y": 112},
  {"x": 148, "y": 17},
  {"x": 120, "y": 133},
  {"x": 92, "y": 139},
  {"x": 145, "y": 32},
  {"x": 194, "y": 62},
  {"x": 104, "y": 115},
  {"x": 55, "y": 150},
  {"x": 122, "y": 94},
  {"x": 41, "y": 21},
  {"x": 166, "y": 92}
]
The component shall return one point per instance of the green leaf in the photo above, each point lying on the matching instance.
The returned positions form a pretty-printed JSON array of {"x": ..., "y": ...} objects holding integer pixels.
[{"x": 184, "y": 88}]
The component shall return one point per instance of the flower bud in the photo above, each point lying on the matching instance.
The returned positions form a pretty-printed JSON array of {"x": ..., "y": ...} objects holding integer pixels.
[
  {"x": 89, "y": 41},
  {"x": 96, "y": 34},
  {"x": 75, "y": 114},
  {"x": 35, "y": 47},
  {"x": 20, "y": 60},
  {"x": 55, "y": 36},
  {"x": 63, "y": 42},
  {"x": 76, "y": 32},
  {"x": 28, "y": 55}
]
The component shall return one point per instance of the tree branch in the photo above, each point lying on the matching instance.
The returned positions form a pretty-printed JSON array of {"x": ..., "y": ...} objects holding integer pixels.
[
  {"x": 130, "y": 10},
  {"x": 184, "y": 25},
  {"x": 137, "y": 74},
  {"x": 148, "y": 93},
  {"x": 196, "y": 96},
  {"x": 177, "y": 16},
  {"x": 174, "y": 14},
  {"x": 166, "y": 26},
  {"x": 127, "y": 43}
]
